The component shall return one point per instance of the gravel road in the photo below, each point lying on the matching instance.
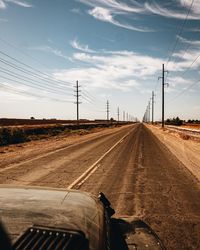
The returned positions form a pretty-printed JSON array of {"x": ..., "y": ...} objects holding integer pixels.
[{"x": 137, "y": 172}]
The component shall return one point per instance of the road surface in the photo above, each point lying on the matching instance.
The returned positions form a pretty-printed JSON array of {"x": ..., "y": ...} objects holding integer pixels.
[{"x": 140, "y": 176}]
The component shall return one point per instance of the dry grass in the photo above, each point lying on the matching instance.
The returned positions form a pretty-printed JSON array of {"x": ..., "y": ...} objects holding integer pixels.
[
  {"x": 192, "y": 126},
  {"x": 184, "y": 136}
]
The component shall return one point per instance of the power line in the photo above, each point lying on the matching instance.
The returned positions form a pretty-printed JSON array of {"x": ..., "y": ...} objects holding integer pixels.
[
  {"x": 36, "y": 70},
  {"x": 93, "y": 108},
  {"x": 36, "y": 79},
  {"x": 92, "y": 97},
  {"x": 23, "y": 92},
  {"x": 156, "y": 85},
  {"x": 180, "y": 93},
  {"x": 180, "y": 32},
  {"x": 186, "y": 50},
  {"x": 86, "y": 99},
  {"x": 35, "y": 75},
  {"x": 91, "y": 103},
  {"x": 189, "y": 67},
  {"x": 22, "y": 52},
  {"x": 28, "y": 81}
]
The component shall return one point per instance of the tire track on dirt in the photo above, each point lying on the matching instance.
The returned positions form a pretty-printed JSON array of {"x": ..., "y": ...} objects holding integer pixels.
[
  {"x": 58, "y": 169},
  {"x": 142, "y": 178}
]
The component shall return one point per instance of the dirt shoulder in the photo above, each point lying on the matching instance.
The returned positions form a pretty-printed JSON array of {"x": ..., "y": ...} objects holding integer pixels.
[{"x": 187, "y": 151}]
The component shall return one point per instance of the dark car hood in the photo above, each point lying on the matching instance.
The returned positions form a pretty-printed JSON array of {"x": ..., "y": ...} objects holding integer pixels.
[{"x": 21, "y": 208}]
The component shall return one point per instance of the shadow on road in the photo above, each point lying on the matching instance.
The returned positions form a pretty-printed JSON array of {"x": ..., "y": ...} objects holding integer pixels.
[{"x": 134, "y": 234}]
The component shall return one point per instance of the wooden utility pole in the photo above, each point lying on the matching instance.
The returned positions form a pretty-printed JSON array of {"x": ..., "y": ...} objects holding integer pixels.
[
  {"x": 107, "y": 107},
  {"x": 163, "y": 96},
  {"x": 152, "y": 107},
  {"x": 118, "y": 114},
  {"x": 77, "y": 91},
  {"x": 149, "y": 111}
]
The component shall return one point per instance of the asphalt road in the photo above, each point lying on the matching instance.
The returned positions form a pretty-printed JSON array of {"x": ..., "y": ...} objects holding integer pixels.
[{"x": 136, "y": 171}]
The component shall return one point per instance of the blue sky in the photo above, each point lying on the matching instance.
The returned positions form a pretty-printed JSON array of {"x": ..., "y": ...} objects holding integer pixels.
[{"x": 115, "y": 49}]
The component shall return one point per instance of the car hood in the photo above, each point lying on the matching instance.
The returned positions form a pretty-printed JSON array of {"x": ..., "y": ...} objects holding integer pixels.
[{"x": 23, "y": 207}]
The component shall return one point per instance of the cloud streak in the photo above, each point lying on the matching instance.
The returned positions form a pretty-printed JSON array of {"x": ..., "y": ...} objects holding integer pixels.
[
  {"x": 191, "y": 42},
  {"x": 126, "y": 70},
  {"x": 84, "y": 48},
  {"x": 106, "y": 15},
  {"x": 117, "y": 7},
  {"x": 108, "y": 10},
  {"x": 157, "y": 9},
  {"x": 51, "y": 50},
  {"x": 120, "y": 70},
  {"x": 76, "y": 11},
  {"x": 4, "y": 3}
]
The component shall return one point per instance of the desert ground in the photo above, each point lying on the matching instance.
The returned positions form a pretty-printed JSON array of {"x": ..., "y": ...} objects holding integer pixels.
[{"x": 144, "y": 171}]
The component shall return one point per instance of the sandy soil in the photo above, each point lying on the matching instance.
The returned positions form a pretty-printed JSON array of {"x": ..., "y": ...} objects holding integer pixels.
[
  {"x": 145, "y": 179},
  {"x": 144, "y": 176},
  {"x": 14, "y": 154},
  {"x": 187, "y": 151}
]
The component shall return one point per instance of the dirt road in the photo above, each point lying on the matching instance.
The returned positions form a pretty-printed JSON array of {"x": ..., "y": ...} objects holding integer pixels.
[{"x": 140, "y": 176}]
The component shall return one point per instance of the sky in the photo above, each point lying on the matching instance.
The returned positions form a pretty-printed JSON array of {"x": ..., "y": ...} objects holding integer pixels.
[{"x": 114, "y": 49}]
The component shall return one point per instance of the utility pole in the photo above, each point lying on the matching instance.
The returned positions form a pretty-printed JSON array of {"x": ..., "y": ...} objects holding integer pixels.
[
  {"x": 146, "y": 115},
  {"x": 107, "y": 106},
  {"x": 163, "y": 94},
  {"x": 127, "y": 117},
  {"x": 77, "y": 91},
  {"x": 118, "y": 114},
  {"x": 149, "y": 110},
  {"x": 152, "y": 107},
  {"x": 123, "y": 116}
]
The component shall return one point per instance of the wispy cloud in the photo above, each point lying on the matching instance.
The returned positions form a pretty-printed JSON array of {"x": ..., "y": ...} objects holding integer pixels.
[
  {"x": 170, "y": 12},
  {"x": 106, "y": 15},
  {"x": 112, "y": 70},
  {"x": 191, "y": 42},
  {"x": 20, "y": 3},
  {"x": 14, "y": 93},
  {"x": 51, "y": 50},
  {"x": 108, "y": 10},
  {"x": 76, "y": 11},
  {"x": 180, "y": 61},
  {"x": 195, "y": 7},
  {"x": 3, "y": 3},
  {"x": 85, "y": 48},
  {"x": 185, "y": 58},
  {"x": 177, "y": 80},
  {"x": 117, "y": 7},
  {"x": 125, "y": 70}
]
